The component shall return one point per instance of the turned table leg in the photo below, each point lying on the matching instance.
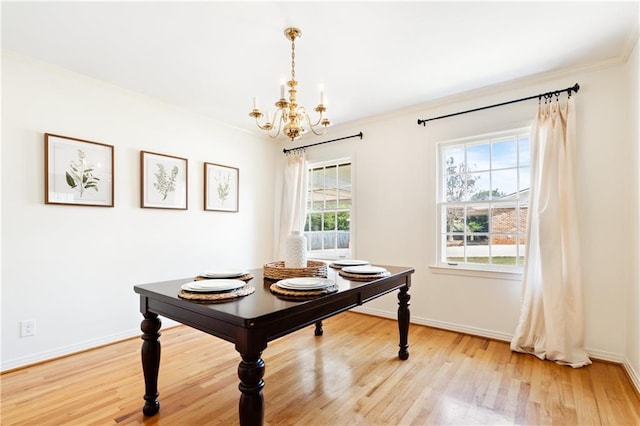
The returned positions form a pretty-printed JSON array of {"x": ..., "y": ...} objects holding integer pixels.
[
  {"x": 403, "y": 321},
  {"x": 318, "y": 331},
  {"x": 150, "y": 327},
  {"x": 251, "y": 372}
]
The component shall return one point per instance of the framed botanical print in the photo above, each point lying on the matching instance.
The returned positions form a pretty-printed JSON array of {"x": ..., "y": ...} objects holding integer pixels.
[
  {"x": 77, "y": 172},
  {"x": 221, "y": 187},
  {"x": 163, "y": 181}
]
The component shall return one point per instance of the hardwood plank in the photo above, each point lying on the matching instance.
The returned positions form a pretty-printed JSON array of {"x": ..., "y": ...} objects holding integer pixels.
[{"x": 351, "y": 375}]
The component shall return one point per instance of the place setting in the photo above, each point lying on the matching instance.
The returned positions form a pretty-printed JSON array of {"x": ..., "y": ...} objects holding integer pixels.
[
  {"x": 364, "y": 272},
  {"x": 303, "y": 288},
  {"x": 231, "y": 273},
  {"x": 218, "y": 285},
  {"x": 342, "y": 263}
]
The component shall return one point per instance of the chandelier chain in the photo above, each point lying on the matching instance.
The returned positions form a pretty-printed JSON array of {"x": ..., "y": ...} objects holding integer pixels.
[{"x": 293, "y": 59}]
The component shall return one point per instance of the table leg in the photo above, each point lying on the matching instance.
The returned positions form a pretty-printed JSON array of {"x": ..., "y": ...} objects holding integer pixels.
[
  {"x": 403, "y": 321},
  {"x": 150, "y": 327},
  {"x": 319, "y": 331},
  {"x": 251, "y": 372}
]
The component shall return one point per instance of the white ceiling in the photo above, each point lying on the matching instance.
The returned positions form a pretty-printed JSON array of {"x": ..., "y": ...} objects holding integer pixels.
[{"x": 371, "y": 57}]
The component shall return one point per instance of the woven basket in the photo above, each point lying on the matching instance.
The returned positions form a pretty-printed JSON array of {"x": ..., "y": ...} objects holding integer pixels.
[{"x": 277, "y": 270}]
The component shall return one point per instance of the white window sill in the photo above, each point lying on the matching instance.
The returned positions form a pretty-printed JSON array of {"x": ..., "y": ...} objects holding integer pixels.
[{"x": 476, "y": 272}]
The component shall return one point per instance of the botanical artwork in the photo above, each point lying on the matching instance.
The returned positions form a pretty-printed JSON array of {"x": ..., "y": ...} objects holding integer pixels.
[
  {"x": 221, "y": 187},
  {"x": 80, "y": 175},
  {"x": 78, "y": 172},
  {"x": 164, "y": 181}
]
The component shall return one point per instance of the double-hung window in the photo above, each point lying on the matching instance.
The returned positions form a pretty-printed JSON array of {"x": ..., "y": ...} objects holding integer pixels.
[
  {"x": 328, "y": 226},
  {"x": 483, "y": 200}
]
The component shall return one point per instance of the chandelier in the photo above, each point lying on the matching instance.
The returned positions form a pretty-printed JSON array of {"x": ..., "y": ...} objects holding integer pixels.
[{"x": 289, "y": 117}]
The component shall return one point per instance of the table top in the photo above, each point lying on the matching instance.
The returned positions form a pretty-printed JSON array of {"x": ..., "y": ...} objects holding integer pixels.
[{"x": 262, "y": 304}]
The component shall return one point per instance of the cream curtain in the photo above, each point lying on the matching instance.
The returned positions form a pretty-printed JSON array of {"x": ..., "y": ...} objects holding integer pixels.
[
  {"x": 294, "y": 198},
  {"x": 551, "y": 318}
]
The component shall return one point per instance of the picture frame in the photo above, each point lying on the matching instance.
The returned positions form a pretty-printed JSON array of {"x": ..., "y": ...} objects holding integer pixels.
[
  {"x": 221, "y": 188},
  {"x": 78, "y": 172},
  {"x": 163, "y": 181}
]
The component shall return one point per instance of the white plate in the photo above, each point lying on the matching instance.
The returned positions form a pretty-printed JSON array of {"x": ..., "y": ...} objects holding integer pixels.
[
  {"x": 223, "y": 273},
  {"x": 366, "y": 269},
  {"x": 305, "y": 283},
  {"x": 350, "y": 262},
  {"x": 208, "y": 286}
]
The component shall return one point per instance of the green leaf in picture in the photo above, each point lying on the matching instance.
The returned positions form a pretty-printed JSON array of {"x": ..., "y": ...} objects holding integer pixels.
[{"x": 70, "y": 181}]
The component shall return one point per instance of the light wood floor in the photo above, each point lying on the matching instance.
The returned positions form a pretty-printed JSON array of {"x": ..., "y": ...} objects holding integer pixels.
[{"x": 349, "y": 376}]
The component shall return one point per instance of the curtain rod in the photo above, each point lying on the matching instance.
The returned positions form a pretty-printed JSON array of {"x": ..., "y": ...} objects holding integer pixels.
[
  {"x": 286, "y": 151},
  {"x": 574, "y": 88}
]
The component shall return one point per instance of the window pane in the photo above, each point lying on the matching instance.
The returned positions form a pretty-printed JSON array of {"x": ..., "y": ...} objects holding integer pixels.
[
  {"x": 455, "y": 219},
  {"x": 521, "y": 252},
  {"x": 504, "y": 221},
  {"x": 524, "y": 150},
  {"x": 343, "y": 240},
  {"x": 329, "y": 240},
  {"x": 505, "y": 253},
  {"x": 525, "y": 180},
  {"x": 522, "y": 220},
  {"x": 344, "y": 176},
  {"x": 455, "y": 248},
  {"x": 451, "y": 157},
  {"x": 504, "y": 154},
  {"x": 477, "y": 219},
  {"x": 331, "y": 177},
  {"x": 477, "y": 249},
  {"x": 343, "y": 221},
  {"x": 329, "y": 221},
  {"x": 316, "y": 221},
  {"x": 315, "y": 241},
  {"x": 479, "y": 186},
  {"x": 317, "y": 179},
  {"x": 478, "y": 157},
  {"x": 504, "y": 183}
]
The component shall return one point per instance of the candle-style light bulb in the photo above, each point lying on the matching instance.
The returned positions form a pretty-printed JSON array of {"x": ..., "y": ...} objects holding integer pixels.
[
  {"x": 281, "y": 89},
  {"x": 255, "y": 102}
]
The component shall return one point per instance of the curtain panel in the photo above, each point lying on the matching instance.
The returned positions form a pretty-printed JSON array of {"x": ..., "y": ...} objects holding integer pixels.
[{"x": 551, "y": 324}]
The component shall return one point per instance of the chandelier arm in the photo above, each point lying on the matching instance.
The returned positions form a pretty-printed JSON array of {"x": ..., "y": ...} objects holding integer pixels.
[
  {"x": 262, "y": 127},
  {"x": 313, "y": 127},
  {"x": 308, "y": 119},
  {"x": 279, "y": 118}
]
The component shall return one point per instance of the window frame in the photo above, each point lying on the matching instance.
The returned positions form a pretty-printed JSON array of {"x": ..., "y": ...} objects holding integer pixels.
[
  {"x": 442, "y": 265},
  {"x": 337, "y": 253}
]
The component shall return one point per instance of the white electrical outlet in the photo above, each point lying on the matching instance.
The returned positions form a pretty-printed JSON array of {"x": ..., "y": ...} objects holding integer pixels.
[{"x": 27, "y": 328}]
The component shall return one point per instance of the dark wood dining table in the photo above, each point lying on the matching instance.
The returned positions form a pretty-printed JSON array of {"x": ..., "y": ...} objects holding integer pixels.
[{"x": 251, "y": 321}]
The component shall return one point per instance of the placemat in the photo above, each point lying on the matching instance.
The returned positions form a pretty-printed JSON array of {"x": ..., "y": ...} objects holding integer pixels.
[
  {"x": 217, "y": 297},
  {"x": 245, "y": 277},
  {"x": 285, "y": 293},
  {"x": 363, "y": 277}
]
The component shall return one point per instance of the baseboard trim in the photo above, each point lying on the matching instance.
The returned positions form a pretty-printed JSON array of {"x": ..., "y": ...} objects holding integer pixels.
[
  {"x": 65, "y": 351},
  {"x": 480, "y": 332},
  {"x": 505, "y": 337},
  {"x": 633, "y": 375}
]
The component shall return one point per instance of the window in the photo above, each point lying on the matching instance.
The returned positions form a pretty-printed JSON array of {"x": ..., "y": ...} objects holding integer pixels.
[
  {"x": 329, "y": 200},
  {"x": 483, "y": 201}
]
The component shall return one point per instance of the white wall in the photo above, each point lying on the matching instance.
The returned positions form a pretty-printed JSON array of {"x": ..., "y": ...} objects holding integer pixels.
[
  {"x": 395, "y": 214},
  {"x": 73, "y": 269}
]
